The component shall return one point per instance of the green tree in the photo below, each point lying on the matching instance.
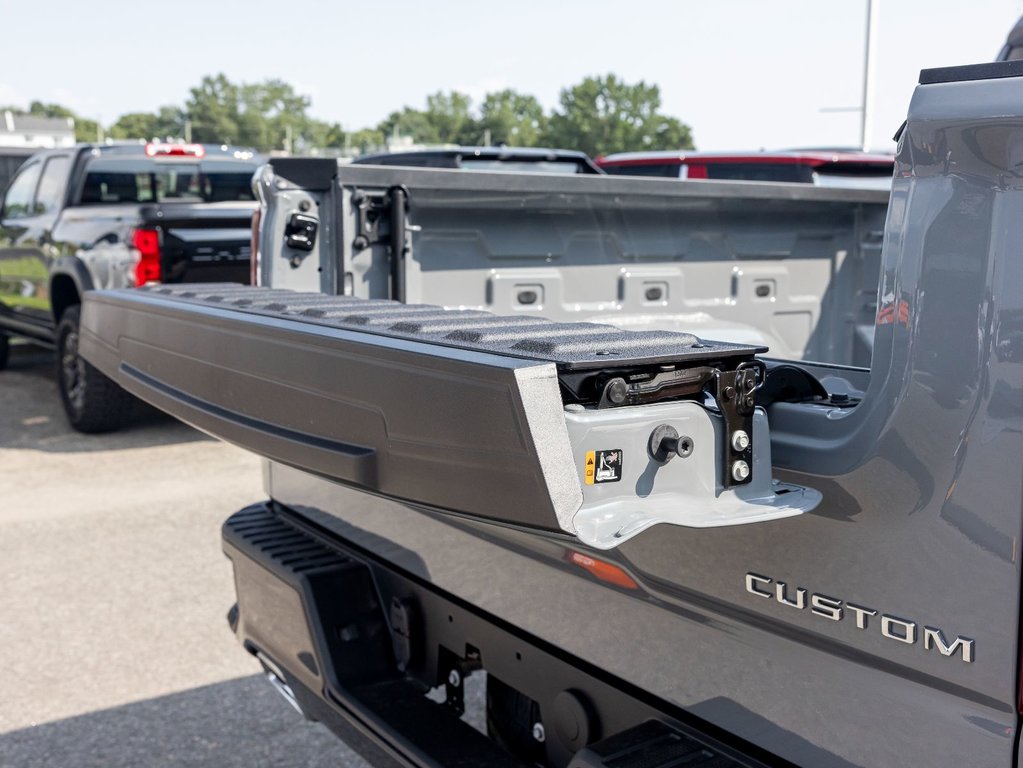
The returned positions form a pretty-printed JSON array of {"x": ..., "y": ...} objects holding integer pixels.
[
  {"x": 213, "y": 110},
  {"x": 451, "y": 116},
  {"x": 409, "y": 122},
  {"x": 274, "y": 117},
  {"x": 134, "y": 125},
  {"x": 447, "y": 119},
  {"x": 167, "y": 123},
  {"x": 364, "y": 140},
  {"x": 512, "y": 118},
  {"x": 334, "y": 135},
  {"x": 267, "y": 115},
  {"x": 604, "y": 114}
]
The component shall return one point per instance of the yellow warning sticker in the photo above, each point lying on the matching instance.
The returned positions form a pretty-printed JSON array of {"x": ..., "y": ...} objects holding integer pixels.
[{"x": 603, "y": 466}]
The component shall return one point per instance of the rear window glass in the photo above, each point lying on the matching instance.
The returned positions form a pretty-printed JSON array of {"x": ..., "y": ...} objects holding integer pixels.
[
  {"x": 857, "y": 175},
  {"x": 760, "y": 172},
  {"x": 141, "y": 180},
  {"x": 664, "y": 170},
  {"x": 543, "y": 166}
]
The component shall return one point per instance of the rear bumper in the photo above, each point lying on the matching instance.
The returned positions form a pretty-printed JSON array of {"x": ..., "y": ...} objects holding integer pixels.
[{"x": 359, "y": 644}]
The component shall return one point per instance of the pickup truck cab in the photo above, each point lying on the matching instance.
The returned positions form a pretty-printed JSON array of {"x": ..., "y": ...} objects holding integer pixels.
[{"x": 115, "y": 216}]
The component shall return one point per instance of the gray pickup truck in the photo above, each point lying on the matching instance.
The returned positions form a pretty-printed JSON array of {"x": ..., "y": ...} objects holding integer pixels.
[
  {"x": 111, "y": 216},
  {"x": 661, "y": 546}
]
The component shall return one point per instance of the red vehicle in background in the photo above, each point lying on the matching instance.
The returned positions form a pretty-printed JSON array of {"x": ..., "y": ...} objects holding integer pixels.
[{"x": 831, "y": 168}]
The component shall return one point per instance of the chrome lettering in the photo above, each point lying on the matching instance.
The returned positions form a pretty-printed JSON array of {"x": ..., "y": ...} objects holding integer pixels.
[
  {"x": 781, "y": 593},
  {"x": 861, "y": 614},
  {"x": 908, "y": 635},
  {"x": 828, "y": 607},
  {"x": 752, "y": 580},
  {"x": 933, "y": 638},
  {"x": 834, "y": 609}
]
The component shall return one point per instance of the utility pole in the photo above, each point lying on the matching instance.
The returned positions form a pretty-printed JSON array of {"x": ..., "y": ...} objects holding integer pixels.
[{"x": 867, "y": 109}]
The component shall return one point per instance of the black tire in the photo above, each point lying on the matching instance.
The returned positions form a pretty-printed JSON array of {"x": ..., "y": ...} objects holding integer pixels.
[
  {"x": 510, "y": 720},
  {"x": 5, "y": 349},
  {"x": 93, "y": 403}
]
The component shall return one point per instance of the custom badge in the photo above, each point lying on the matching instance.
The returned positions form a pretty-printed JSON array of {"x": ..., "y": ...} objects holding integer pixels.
[{"x": 603, "y": 466}]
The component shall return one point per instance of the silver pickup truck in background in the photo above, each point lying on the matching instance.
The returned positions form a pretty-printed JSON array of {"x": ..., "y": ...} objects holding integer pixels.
[{"x": 525, "y": 426}]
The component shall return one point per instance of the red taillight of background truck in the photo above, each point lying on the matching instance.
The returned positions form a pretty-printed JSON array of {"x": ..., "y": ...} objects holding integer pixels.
[{"x": 147, "y": 243}]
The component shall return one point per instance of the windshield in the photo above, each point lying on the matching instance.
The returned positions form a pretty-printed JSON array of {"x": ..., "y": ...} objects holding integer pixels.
[{"x": 110, "y": 180}]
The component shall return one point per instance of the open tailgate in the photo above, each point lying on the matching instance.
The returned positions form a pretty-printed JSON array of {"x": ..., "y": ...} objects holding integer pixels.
[{"x": 460, "y": 411}]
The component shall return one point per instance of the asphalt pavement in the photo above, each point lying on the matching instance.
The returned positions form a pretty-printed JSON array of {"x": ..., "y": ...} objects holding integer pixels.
[{"x": 113, "y": 595}]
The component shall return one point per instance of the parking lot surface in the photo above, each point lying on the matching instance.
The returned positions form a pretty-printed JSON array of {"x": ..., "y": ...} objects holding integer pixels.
[{"x": 113, "y": 596}]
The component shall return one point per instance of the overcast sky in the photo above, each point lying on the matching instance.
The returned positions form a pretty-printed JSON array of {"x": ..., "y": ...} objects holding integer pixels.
[{"x": 743, "y": 74}]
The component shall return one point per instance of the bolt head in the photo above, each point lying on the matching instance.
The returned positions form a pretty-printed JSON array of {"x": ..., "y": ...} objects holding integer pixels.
[
  {"x": 538, "y": 732},
  {"x": 740, "y": 471},
  {"x": 617, "y": 392},
  {"x": 454, "y": 679},
  {"x": 740, "y": 440}
]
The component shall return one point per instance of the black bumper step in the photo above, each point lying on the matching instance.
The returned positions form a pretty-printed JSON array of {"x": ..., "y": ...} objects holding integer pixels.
[
  {"x": 319, "y": 613},
  {"x": 332, "y": 642},
  {"x": 652, "y": 744}
]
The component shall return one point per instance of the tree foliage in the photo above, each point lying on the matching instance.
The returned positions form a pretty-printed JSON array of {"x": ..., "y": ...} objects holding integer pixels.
[
  {"x": 268, "y": 115},
  {"x": 167, "y": 124},
  {"x": 604, "y": 114},
  {"x": 598, "y": 116},
  {"x": 512, "y": 118}
]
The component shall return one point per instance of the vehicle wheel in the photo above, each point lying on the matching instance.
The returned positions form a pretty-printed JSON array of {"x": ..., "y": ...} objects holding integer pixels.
[
  {"x": 5, "y": 349},
  {"x": 93, "y": 402},
  {"x": 510, "y": 720}
]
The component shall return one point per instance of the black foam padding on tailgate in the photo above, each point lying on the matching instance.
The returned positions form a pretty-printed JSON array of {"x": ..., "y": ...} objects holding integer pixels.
[{"x": 570, "y": 345}]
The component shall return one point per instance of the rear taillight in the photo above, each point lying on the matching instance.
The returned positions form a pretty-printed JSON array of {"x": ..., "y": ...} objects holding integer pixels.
[{"x": 147, "y": 243}]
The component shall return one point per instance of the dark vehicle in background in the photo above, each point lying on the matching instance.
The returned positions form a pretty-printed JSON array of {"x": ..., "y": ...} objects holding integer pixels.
[
  {"x": 826, "y": 168},
  {"x": 11, "y": 159},
  {"x": 115, "y": 216},
  {"x": 489, "y": 159}
]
